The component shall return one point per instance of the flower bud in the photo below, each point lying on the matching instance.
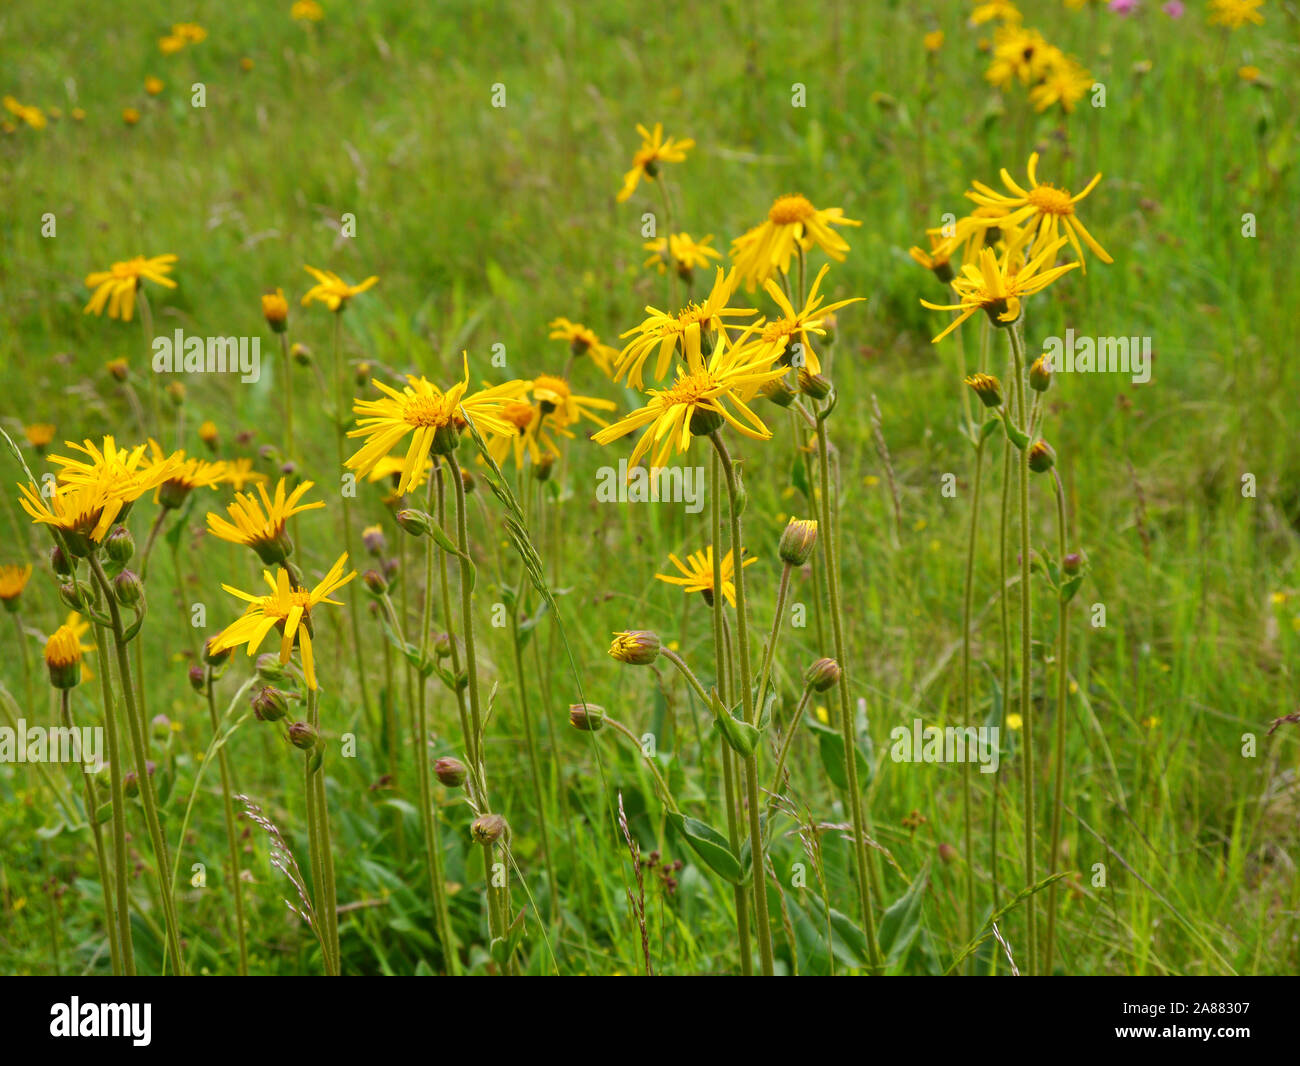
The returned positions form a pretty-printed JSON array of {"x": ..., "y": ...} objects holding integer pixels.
[
  {"x": 271, "y": 670},
  {"x": 119, "y": 545},
  {"x": 362, "y": 375},
  {"x": 269, "y": 704},
  {"x": 160, "y": 725},
  {"x": 467, "y": 479},
  {"x": 208, "y": 435},
  {"x": 417, "y": 523},
  {"x": 778, "y": 391},
  {"x": 215, "y": 658},
  {"x": 198, "y": 678},
  {"x": 446, "y": 439},
  {"x": 987, "y": 388},
  {"x": 128, "y": 589},
  {"x": 78, "y": 595},
  {"x": 59, "y": 562},
  {"x": 373, "y": 539},
  {"x": 176, "y": 393},
  {"x": 487, "y": 828},
  {"x": 275, "y": 309},
  {"x": 1040, "y": 374},
  {"x": 586, "y": 717},
  {"x": 823, "y": 674},
  {"x": 705, "y": 421},
  {"x": 63, "y": 658},
  {"x": 797, "y": 541},
  {"x": 441, "y": 645},
  {"x": 1072, "y": 563},
  {"x": 450, "y": 771},
  {"x": 303, "y": 736},
  {"x": 375, "y": 582},
  {"x": 947, "y": 854},
  {"x": 818, "y": 386},
  {"x": 637, "y": 647},
  {"x": 118, "y": 369},
  {"x": 1041, "y": 457},
  {"x": 543, "y": 467},
  {"x": 300, "y": 354}
]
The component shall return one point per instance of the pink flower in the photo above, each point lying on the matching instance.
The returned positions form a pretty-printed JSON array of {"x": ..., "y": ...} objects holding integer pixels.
[
  {"x": 1174, "y": 9},
  {"x": 1123, "y": 7}
]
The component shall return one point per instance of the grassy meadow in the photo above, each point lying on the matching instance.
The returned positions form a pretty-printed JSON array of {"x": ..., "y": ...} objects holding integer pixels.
[{"x": 470, "y": 156}]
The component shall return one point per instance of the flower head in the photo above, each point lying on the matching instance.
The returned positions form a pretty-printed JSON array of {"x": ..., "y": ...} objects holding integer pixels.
[
  {"x": 697, "y": 574},
  {"x": 332, "y": 290},
  {"x": 275, "y": 309},
  {"x": 63, "y": 658},
  {"x": 288, "y": 609},
  {"x": 260, "y": 525},
  {"x": 240, "y": 472},
  {"x": 792, "y": 222},
  {"x": 184, "y": 475},
  {"x": 654, "y": 151},
  {"x": 13, "y": 579},
  {"x": 773, "y": 339},
  {"x": 682, "y": 253},
  {"x": 116, "y": 287},
  {"x": 561, "y": 407},
  {"x": 1235, "y": 13},
  {"x": 583, "y": 341},
  {"x": 39, "y": 435}
]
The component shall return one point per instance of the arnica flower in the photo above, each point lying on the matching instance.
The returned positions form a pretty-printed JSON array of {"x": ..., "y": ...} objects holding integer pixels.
[
  {"x": 773, "y": 338},
  {"x": 124, "y": 474},
  {"x": 987, "y": 388},
  {"x": 938, "y": 260},
  {"x": 170, "y": 44},
  {"x": 130, "y": 116},
  {"x": 1044, "y": 209},
  {"x": 116, "y": 287},
  {"x": 190, "y": 32},
  {"x": 432, "y": 417},
  {"x": 530, "y": 435},
  {"x": 240, "y": 472},
  {"x": 1066, "y": 84},
  {"x": 13, "y": 579},
  {"x": 287, "y": 609},
  {"x": 307, "y": 11},
  {"x": 636, "y": 647},
  {"x": 184, "y": 475},
  {"x": 32, "y": 116},
  {"x": 654, "y": 150},
  {"x": 208, "y": 434},
  {"x": 332, "y": 290},
  {"x": 39, "y": 435},
  {"x": 561, "y": 407},
  {"x": 153, "y": 86},
  {"x": 275, "y": 309},
  {"x": 1002, "y": 10},
  {"x": 1021, "y": 55},
  {"x": 391, "y": 466},
  {"x": 797, "y": 541},
  {"x": 83, "y": 513},
  {"x": 260, "y": 526},
  {"x": 997, "y": 287},
  {"x": 697, "y": 404},
  {"x": 933, "y": 41},
  {"x": 583, "y": 341},
  {"x": 682, "y": 253},
  {"x": 688, "y": 333},
  {"x": 697, "y": 574},
  {"x": 1235, "y": 13},
  {"x": 63, "y": 658},
  {"x": 791, "y": 222}
]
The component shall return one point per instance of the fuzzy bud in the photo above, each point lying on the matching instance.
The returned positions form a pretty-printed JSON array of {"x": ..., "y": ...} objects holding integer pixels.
[
  {"x": 823, "y": 674},
  {"x": 636, "y": 647},
  {"x": 586, "y": 717},
  {"x": 450, "y": 771},
  {"x": 797, "y": 541}
]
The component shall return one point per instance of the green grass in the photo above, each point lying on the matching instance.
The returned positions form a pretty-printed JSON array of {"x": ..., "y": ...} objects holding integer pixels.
[{"x": 484, "y": 223}]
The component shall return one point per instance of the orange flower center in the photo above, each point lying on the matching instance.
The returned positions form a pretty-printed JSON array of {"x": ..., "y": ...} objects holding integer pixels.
[
  {"x": 791, "y": 209},
  {"x": 691, "y": 388},
  {"x": 1051, "y": 201},
  {"x": 426, "y": 411}
]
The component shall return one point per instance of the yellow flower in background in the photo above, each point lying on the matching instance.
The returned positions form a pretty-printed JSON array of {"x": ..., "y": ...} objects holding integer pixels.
[
  {"x": 1249, "y": 73},
  {"x": 288, "y": 609},
  {"x": 83, "y": 513},
  {"x": 153, "y": 86},
  {"x": 687, "y": 333},
  {"x": 170, "y": 44},
  {"x": 430, "y": 416},
  {"x": 561, "y": 407},
  {"x": 39, "y": 435},
  {"x": 988, "y": 10},
  {"x": 208, "y": 433},
  {"x": 32, "y": 116},
  {"x": 13, "y": 579},
  {"x": 1014, "y": 722},
  {"x": 1235, "y": 13},
  {"x": 116, "y": 287},
  {"x": 332, "y": 290},
  {"x": 240, "y": 472},
  {"x": 681, "y": 252},
  {"x": 184, "y": 475},
  {"x": 697, "y": 574},
  {"x": 130, "y": 116},
  {"x": 260, "y": 525},
  {"x": 1065, "y": 84},
  {"x": 654, "y": 151},
  {"x": 698, "y": 402},
  {"x": 937, "y": 259},
  {"x": 1044, "y": 209},
  {"x": 583, "y": 341},
  {"x": 997, "y": 287},
  {"x": 933, "y": 41},
  {"x": 530, "y": 436},
  {"x": 307, "y": 11},
  {"x": 275, "y": 309},
  {"x": 792, "y": 222},
  {"x": 190, "y": 32},
  {"x": 1020, "y": 55},
  {"x": 774, "y": 338}
]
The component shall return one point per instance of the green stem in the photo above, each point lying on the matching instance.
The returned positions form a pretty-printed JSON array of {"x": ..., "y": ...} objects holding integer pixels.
[
  {"x": 793, "y": 728},
  {"x": 120, "y": 895},
  {"x": 232, "y": 838},
  {"x": 967, "y": 767},
  {"x": 783, "y": 590},
  {"x": 1062, "y": 687}
]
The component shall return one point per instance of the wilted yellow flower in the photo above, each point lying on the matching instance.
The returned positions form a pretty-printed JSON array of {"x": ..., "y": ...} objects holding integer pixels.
[
  {"x": 792, "y": 222},
  {"x": 332, "y": 290},
  {"x": 116, "y": 287},
  {"x": 654, "y": 150},
  {"x": 697, "y": 574}
]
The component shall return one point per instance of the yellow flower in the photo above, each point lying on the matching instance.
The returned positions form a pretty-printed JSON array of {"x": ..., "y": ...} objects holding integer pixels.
[
  {"x": 240, "y": 472},
  {"x": 13, "y": 579},
  {"x": 432, "y": 418},
  {"x": 583, "y": 341},
  {"x": 791, "y": 222},
  {"x": 681, "y": 252},
  {"x": 529, "y": 434},
  {"x": 130, "y": 116},
  {"x": 1003, "y": 10},
  {"x": 275, "y": 309},
  {"x": 696, "y": 403},
  {"x": 33, "y": 116},
  {"x": 170, "y": 44},
  {"x": 1249, "y": 73},
  {"x": 184, "y": 475},
  {"x": 63, "y": 658},
  {"x": 1235, "y": 13},
  {"x": 697, "y": 574},
  {"x": 190, "y": 32},
  {"x": 116, "y": 287},
  {"x": 208, "y": 433},
  {"x": 332, "y": 290},
  {"x": 83, "y": 513},
  {"x": 39, "y": 435},
  {"x": 774, "y": 338},
  {"x": 391, "y": 466},
  {"x": 561, "y": 407},
  {"x": 1020, "y": 55},
  {"x": 1044, "y": 209},
  {"x": 260, "y": 526},
  {"x": 307, "y": 11},
  {"x": 937, "y": 259},
  {"x": 153, "y": 86},
  {"x": 688, "y": 333},
  {"x": 78, "y": 114},
  {"x": 933, "y": 41},
  {"x": 654, "y": 150},
  {"x": 1014, "y": 721},
  {"x": 1065, "y": 84},
  {"x": 288, "y": 609},
  {"x": 125, "y": 475},
  {"x": 997, "y": 287}
]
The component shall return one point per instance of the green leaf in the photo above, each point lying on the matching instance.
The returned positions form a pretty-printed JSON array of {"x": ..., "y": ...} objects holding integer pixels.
[
  {"x": 503, "y": 947},
  {"x": 740, "y": 736},
  {"x": 902, "y": 921},
  {"x": 830, "y": 746},
  {"x": 710, "y": 845}
]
